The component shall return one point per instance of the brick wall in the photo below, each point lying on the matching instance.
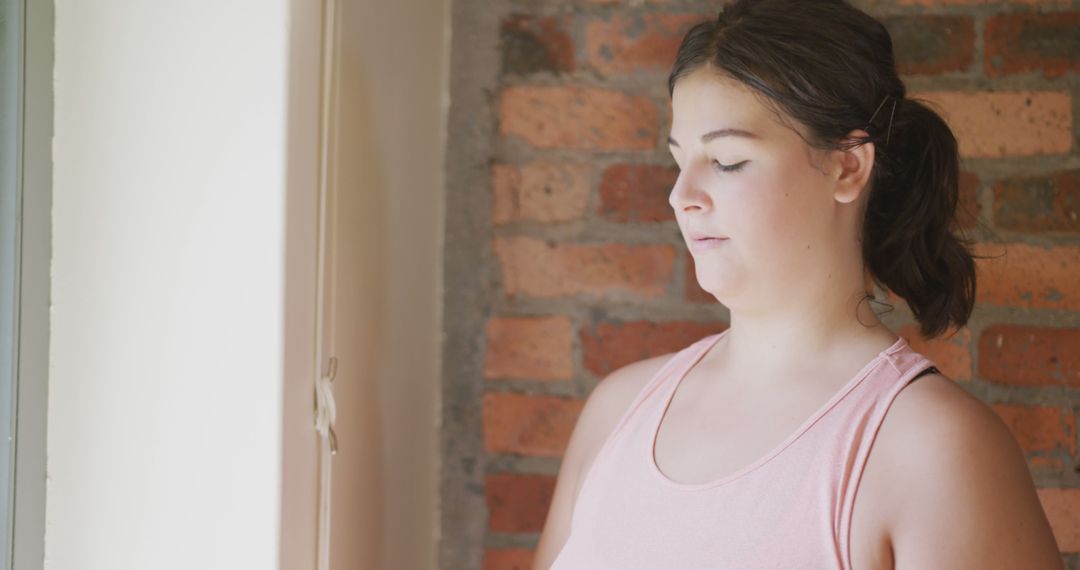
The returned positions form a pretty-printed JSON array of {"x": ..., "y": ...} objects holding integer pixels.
[{"x": 564, "y": 261}]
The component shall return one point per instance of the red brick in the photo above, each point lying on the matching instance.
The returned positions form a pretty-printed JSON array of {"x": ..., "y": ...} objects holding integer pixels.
[
  {"x": 1045, "y": 463},
  {"x": 693, "y": 291},
  {"x": 536, "y": 268},
  {"x": 982, "y": 2},
  {"x": 1039, "y": 428},
  {"x": 931, "y": 44},
  {"x": 610, "y": 2},
  {"x": 581, "y": 118},
  {"x": 668, "y": 115},
  {"x": 968, "y": 210},
  {"x": 539, "y": 192},
  {"x": 1035, "y": 204},
  {"x": 1062, "y": 508},
  {"x": 608, "y": 346},
  {"x": 518, "y": 502},
  {"x": 1024, "y": 42},
  {"x": 508, "y": 559},
  {"x": 1020, "y": 355},
  {"x": 637, "y": 192},
  {"x": 1009, "y": 123},
  {"x": 529, "y": 347},
  {"x": 1024, "y": 275},
  {"x": 531, "y": 44},
  {"x": 952, "y": 355},
  {"x": 630, "y": 43},
  {"x": 529, "y": 425}
]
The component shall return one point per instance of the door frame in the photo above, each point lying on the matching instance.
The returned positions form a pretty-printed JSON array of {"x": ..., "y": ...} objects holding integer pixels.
[{"x": 26, "y": 326}]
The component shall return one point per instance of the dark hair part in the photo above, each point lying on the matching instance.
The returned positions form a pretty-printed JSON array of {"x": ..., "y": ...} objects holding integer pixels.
[{"x": 830, "y": 66}]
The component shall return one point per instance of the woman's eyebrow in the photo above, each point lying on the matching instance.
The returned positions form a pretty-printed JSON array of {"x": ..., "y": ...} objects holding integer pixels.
[{"x": 705, "y": 138}]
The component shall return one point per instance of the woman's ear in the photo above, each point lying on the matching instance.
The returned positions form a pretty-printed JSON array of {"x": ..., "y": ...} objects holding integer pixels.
[{"x": 853, "y": 167}]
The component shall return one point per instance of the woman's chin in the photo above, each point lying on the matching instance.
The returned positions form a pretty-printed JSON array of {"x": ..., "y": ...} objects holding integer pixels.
[{"x": 718, "y": 289}]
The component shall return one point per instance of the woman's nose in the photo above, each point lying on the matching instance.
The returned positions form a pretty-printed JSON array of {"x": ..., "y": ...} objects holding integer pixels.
[{"x": 688, "y": 194}]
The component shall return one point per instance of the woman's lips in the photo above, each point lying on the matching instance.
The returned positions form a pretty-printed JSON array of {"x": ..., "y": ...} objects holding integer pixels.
[{"x": 706, "y": 243}]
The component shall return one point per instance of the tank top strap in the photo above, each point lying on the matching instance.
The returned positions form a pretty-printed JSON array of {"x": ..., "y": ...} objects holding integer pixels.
[
  {"x": 906, "y": 365},
  {"x": 679, "y": 363}
]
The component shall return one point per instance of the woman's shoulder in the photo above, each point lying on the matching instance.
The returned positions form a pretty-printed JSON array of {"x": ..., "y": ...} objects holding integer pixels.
[
  {"x": 607, "y": 403},
  {"x": 612, "y": 396},
  {"x": 933, "y": 416},
  {"x": 610, "y": 399},
  {"x": 964, "y": 475}
]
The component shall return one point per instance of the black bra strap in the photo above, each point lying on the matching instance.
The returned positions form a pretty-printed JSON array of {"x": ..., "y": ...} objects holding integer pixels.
[{"x": 927, "y": 371}]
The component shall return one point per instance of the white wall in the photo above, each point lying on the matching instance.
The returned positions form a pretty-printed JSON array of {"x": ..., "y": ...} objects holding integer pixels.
[
  {"x": 179, "y": 428},
  {"x": 166, "y": 368}
]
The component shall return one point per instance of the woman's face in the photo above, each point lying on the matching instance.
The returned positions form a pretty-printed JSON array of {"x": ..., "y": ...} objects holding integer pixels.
[{"x": 749, "y": 179}]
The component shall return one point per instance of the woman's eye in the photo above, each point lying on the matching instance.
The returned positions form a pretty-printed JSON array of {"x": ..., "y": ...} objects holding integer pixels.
[{"x": 732, "y": 168}]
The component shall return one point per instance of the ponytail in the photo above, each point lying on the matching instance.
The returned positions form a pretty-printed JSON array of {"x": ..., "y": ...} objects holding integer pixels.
[{"x": 907, "y": 241}]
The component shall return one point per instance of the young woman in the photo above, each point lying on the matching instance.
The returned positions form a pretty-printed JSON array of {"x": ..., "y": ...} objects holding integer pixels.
[{"x": 806, "y": 175}]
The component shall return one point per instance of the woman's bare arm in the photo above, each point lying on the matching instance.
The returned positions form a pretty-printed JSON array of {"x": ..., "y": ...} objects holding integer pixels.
[{"x": 968, "y": 497}]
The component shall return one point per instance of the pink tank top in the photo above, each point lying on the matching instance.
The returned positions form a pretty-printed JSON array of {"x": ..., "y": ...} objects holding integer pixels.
[{"x": 789, "y": 509}]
